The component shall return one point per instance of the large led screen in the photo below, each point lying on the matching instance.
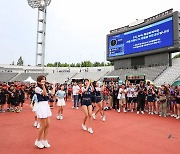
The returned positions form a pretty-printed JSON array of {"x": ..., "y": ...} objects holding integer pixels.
[{"x": 150, "y": 37}]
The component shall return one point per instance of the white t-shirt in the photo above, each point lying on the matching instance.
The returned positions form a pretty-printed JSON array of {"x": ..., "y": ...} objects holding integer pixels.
[
  {"x": 130, "y": 92},
  {"x": 98, "y": 88},
  {"x": 76, "y": 90},
  {"x": 135, "y": 92},
  {"x": 38, "y": 90},
  {"x": 122, "y": 93}
]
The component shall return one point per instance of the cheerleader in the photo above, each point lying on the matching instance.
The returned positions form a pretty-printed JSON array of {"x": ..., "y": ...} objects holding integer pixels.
[
  {"x": 87, "y": 105},
  {"x": 43, "y": 111},
  {"x": 98, "y": 90},
  {"x": 178, "y": 102},
  {"x": 173, "y": 101},
  {"x": 34, "y": 104},
  {"x": 60, "y": 95}
]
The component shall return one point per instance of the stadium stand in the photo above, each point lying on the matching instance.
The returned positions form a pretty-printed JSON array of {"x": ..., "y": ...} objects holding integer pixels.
[
  {"x": 170, "y": 74},
  {"x": 158, "y": 74},
  {"x": 24, "y": 76},
  {"x": 150, "y": 72},
  {"x": 59, "y": 77},
  {"x": 6, "y": 77},
  {"x": 96, "y": 76}
]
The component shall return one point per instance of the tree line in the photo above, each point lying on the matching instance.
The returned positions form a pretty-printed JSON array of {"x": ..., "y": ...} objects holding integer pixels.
[{"x": 82, "y": 64}]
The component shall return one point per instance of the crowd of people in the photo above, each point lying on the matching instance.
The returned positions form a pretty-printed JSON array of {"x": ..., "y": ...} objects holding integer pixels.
[
  {"x": 129, "y": 97},
  {"x": 91, "y": 97}
]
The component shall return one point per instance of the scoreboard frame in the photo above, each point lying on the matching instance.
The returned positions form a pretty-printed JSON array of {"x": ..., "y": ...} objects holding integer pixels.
[{"x": 176, "y": 38}]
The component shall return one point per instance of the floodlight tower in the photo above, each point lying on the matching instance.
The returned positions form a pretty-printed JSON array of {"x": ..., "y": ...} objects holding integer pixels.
[{"x": 41, "y": 5}]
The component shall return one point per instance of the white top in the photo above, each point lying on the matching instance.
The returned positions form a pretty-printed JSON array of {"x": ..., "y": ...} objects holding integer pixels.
[
  {"x": 76, "y": 90},
  {"x": 135, "y": 93},
  {"x": 98, "y": 88},
  {"x": 130, "y": 92},
  {"x": 38, "y": 90},
  {"x": 122, "y": 92}
]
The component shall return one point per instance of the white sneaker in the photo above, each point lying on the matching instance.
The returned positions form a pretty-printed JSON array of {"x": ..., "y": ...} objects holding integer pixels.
[
  {"x": 94, "y": 116},
  {"x": 61, "y": 117},
  {"x": 39, "y": 144},
  {"x": 35, "y": 124},
  {"x": 73, "y": 107},
  {"x": 104, "y": 118},
  {"x": 178, "y": 117},
  {"x": 152, "y": 113},
  {"x": 119, "y": 110},
  {"x": 149, "y": 113},
  {"x": 172, "y": 115},
  {"x": 125, "y": 111},
  {"x": 46, "y": 144},
  {"x": 58, "y": 117},
  {"x": 137, "y": 112},
  {"x": 84, "y": 127},
  {"x": 142, "y": 112},
  {"x": 90, "y": 130},
  {"x": 175, "y": 116},
  {"x": 38, "y": 126},
  {"x": 77, "y": 108}
]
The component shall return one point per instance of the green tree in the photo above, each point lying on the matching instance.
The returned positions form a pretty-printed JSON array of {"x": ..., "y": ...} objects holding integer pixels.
[
  {"x": 102, "y": 64},
  {"x": 50, "y": 65},
  {"x": 20, "y": 61},
  {"x": 73, "y": 65},
  {"x": 177, "y": 56},
  {"x": 96, "y": 64},
  {"x": 86, "y": 64},
  {"x": 78, "y": 64}
]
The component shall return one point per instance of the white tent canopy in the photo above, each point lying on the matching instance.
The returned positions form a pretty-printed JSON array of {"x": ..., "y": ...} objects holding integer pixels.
[{"x": 30, "y": 80}]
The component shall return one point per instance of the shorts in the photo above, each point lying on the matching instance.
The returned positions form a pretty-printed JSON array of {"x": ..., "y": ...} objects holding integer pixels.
[
  {"x": 150, "y": 99},
  {"x": 105, "y": 98},
  {"x": 178, "y": 101},
  {"x": 129, "y": 99},
  {"x": 93, "y": 98},
  {"x": 15, "y": 104},
  {"x": 98, "y": 99},
  {"x": 9, "y": 101},
  {"x": 122, "y": 101},
  {"x": 2, "y": 102},
  {"x": 134, "y": 99},
  {"x": 21, "y": 101},
  {"x": 173, "y": 101},
  {"x": 86, "y": 102},
  {"x": 61, "y": 102}
]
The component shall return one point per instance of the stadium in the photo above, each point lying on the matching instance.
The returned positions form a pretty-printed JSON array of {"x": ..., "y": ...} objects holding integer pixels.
[
  {"x": 152, "y": 59},
  {"x": 141, "y": 53}
]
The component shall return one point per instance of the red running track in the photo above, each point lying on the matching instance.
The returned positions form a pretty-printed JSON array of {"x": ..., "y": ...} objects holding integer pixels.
[{"x": 121, "y": 133}]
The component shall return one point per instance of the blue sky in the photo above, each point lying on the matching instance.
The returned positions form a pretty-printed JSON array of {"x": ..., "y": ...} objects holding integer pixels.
[{"x": 76, "y": 30}]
